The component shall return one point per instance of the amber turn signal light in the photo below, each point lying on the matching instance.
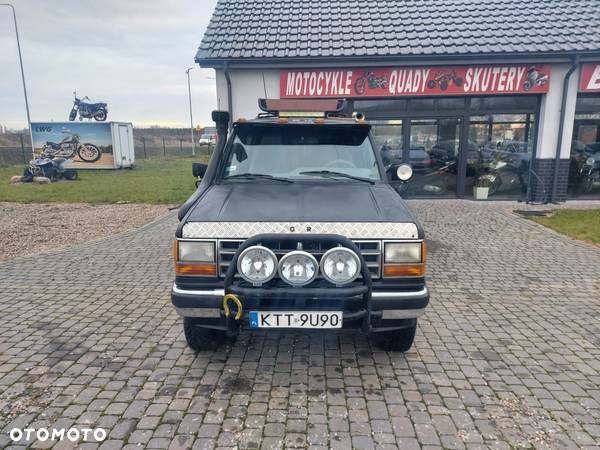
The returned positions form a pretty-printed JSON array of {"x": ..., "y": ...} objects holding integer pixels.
[
  {"x": 403, "y": 270},
  {"x": 205, "y": 270}
]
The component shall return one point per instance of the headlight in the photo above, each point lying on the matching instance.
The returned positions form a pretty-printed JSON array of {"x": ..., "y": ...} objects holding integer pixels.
[
  {"x": 195, "y": 258},
  {"x": 404, "y": 172},
  {"x": 298, "y": 268},
  {"x": 340, "y": 265},
  {"x": 196, "y": 251},
  {"x": 590, "y": 161},
  {"x": 402, "y": 252},
  {"x": 257, "y": 264},
  {"x": 404, "y": 259}
]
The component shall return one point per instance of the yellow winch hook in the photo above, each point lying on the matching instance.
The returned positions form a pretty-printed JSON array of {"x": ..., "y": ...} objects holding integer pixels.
[{"x": 237, "y": 302}]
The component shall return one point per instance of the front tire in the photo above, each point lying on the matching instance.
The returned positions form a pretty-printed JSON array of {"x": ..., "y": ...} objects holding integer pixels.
[
  {"x": 89, "y": 153},
  {"x": 100, "y": 116},
  {"x": 396, "y": 341},
  {"x": 200, "y": 339}
]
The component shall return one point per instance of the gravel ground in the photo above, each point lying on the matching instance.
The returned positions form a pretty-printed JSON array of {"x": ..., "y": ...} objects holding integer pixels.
[{"x": 26, "y": 229}]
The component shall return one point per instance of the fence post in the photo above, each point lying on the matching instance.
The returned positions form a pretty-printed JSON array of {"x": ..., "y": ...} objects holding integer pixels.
[
  {"x": 144, "y": 142},
  {"x": 180, "y": 146},
  {"x": 23, "y": 149},
  {"x": 164, "y": 148}
]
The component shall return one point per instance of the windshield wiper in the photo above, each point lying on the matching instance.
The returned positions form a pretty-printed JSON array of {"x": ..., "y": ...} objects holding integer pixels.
[
  {"x": 333, "y": 174},
  {"x": 261, "y": 176}
]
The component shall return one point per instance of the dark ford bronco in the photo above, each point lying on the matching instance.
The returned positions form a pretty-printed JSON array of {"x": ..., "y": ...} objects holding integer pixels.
[{"x": 298, "y": 224}]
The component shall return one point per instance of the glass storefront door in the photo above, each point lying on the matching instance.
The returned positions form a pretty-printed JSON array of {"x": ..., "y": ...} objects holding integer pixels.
[
  {"x": 433, "y": 154},
  {"x": 499, "y": 152}
]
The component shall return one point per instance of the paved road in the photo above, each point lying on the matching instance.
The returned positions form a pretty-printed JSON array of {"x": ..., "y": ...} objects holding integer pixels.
[{"x": 507, "y": 356}]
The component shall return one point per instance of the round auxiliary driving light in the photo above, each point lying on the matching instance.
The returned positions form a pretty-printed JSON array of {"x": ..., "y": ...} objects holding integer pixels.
[
  {"x": 298, "y": 268},
  {"x": 340, "y": 265},
  {"x": 257, "y": 264},
  {"x": 404, "y": 172}
]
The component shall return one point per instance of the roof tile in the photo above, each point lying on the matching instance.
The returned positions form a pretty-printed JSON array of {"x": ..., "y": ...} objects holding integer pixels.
[{"x": 255, "y": 29}]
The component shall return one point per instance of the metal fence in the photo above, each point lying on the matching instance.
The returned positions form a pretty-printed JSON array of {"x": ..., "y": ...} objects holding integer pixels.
[
  {"x": 166, "y": 147},
  {"x": 19, "y": 149},
  {"x": 17, "y": 153}
]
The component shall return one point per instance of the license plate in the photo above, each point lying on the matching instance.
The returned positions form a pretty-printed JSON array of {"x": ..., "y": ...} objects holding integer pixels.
[{"x": 295, "y": 319}]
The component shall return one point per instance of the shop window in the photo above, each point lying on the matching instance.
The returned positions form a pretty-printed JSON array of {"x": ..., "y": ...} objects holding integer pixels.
[
  {"x": 433, "y": 154},
  {"x": 387, "y": 138},
  {"x": 421, "y": 104},
  {"x": 500, "y": 147},
  {"x": 584, "y": 167},
  {"x": 590, "y": 102},
  {"x": 380, "y": 109},
  {"x": 450, "y": 104},
  {"x": 504, "y": 103}
]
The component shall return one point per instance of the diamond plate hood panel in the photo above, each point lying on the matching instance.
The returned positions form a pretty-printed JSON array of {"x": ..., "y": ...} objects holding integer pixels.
[
  {"x": 326, "y": 207},
  {"x": 244, "y": 230}
]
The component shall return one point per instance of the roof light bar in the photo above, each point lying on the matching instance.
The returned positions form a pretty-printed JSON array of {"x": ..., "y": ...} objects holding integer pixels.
[{"x": 301, "y": 107}]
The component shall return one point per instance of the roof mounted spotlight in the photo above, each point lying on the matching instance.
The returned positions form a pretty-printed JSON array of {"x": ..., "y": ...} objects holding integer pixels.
[{"x": 358, "y": 115}]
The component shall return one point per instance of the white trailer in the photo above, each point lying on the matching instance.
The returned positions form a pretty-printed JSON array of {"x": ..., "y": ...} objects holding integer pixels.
[{"x": 90, "y": 145}]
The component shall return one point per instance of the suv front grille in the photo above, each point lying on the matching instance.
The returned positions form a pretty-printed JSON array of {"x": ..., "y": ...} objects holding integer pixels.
[{"x": 371, "y": 252}]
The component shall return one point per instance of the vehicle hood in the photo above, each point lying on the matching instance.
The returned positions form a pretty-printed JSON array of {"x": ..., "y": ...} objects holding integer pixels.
[{"x": 301, "y": 202}]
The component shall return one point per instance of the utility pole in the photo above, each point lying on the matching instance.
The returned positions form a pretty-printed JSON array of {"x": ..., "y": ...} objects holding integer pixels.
[
  {"x": 191, "y": 120},
  {"x": 22, "y": 71}
]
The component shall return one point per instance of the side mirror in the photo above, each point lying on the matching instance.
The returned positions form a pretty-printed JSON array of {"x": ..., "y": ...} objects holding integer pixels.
[
  {"x": 404, "y": 172},
  {"x": 199, "y": 169},
  {"x": 220, "y": 118}
]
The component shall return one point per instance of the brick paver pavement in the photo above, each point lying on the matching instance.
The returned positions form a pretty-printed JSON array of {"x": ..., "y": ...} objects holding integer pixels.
[{"x": 508, "y": 354}]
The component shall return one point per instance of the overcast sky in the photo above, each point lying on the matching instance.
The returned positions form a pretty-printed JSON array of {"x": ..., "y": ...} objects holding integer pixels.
[{"x": 131, "y": 54}]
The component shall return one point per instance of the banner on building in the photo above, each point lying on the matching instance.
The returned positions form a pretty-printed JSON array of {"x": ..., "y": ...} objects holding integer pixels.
[
  {"x": 590, "y": 78},
  {"x": 410, "y": 81}
]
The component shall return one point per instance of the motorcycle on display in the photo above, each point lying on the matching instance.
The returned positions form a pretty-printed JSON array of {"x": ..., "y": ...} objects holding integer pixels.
[
  {"x": 371, "y": 80},
  {"x": 96, "y": 111},
  {"x": 443, "y": 79},
  {"x": 589, "y": 174},
  {"x": 71, "y": 146},
  {"x": 52, "y": 168},
  {"x": 534, "y": 78}
]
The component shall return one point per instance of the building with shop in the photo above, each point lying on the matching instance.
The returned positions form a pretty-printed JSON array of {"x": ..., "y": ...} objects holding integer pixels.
[{"x": 464, "y": 90}]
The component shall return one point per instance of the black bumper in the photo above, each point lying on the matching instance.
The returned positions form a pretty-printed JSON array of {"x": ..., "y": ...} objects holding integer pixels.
[{"x": 390, "y": 309}]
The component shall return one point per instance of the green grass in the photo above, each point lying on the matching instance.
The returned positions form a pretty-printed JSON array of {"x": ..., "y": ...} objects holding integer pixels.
[
  {"x": 155, "y": 181},
  {"x": 582, "y": 224}
]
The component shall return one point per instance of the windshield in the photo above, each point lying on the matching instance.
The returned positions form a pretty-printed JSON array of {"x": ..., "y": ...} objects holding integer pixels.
[{"x": 290, "y": 151}]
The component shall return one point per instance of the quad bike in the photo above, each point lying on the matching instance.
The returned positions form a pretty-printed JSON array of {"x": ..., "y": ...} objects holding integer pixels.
[
  {"x": 534, "y": 78},
  {"x": 371, "y": 80},
  {"x": 443, "y": 79},
  {"x": 96, "y": 111},
  {"x": 71, "y": 146},
  {"x": 52, "y": 168}
]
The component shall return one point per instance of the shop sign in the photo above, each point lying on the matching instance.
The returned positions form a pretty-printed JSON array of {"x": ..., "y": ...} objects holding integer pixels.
[
  {"x": 407, "y": 81},
  {"x": 590, "y": 78}
]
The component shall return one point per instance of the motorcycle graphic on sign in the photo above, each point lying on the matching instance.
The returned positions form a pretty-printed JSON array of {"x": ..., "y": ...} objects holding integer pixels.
[
  {"x": 371, "y": 80},
  {"x": 534, "y": 78},
  {"x": 443, "y": 79}
]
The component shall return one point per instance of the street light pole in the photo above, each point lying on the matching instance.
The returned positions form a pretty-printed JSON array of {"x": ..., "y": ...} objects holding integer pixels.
[
  {"x": 22, "y": 72},
  {"x": 191, "y": 120}
]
